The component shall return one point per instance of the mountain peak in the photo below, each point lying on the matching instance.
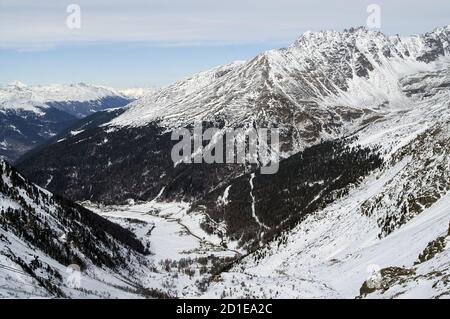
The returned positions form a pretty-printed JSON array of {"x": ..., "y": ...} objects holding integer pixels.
[
  {"x": 443, "y": 29},
  {"x": 357, "y": 29},
  {"x": 17, "y": 84},
  {"x": 330, "y": 37}
]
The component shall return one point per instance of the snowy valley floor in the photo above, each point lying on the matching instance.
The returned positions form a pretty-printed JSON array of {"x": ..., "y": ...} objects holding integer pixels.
[{"x": 183, "y": 255}]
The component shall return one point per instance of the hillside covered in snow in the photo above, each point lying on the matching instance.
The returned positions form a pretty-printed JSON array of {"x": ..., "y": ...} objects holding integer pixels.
[{"x": 47, "y": 242}]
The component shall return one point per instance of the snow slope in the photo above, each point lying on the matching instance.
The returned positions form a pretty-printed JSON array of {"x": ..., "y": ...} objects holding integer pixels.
[{"x": 333, "y": 252}]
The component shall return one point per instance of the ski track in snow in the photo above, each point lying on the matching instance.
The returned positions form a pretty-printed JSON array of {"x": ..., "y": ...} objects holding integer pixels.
[{"x": 255, "y": 217}]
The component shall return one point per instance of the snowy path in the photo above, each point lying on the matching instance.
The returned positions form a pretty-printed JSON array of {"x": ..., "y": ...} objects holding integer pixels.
[{"x": 253, "y": 203}]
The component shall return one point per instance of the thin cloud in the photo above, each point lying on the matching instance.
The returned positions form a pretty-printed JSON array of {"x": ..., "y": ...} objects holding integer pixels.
[{"x": 41, "y": 24}]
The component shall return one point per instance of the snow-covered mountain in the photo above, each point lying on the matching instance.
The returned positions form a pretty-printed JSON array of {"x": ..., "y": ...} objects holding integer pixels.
[
  {"x": 360, "y": 205},
  {"x": 385, "y": 237},
  {"x": 323, "y": 85},
  {"x": 29, "y": 115},
  {"x": 19, "y": 96}
]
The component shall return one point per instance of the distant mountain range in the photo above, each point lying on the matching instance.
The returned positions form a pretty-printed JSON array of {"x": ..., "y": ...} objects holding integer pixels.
[{"x": 29, "y": 115}]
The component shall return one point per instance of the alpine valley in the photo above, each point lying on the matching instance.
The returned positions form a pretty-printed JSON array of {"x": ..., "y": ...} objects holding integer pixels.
[{"x": 359, "y": 208}]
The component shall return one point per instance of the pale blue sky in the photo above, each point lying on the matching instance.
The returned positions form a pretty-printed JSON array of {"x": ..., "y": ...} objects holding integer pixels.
[{"x": 149, "y": 43}]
